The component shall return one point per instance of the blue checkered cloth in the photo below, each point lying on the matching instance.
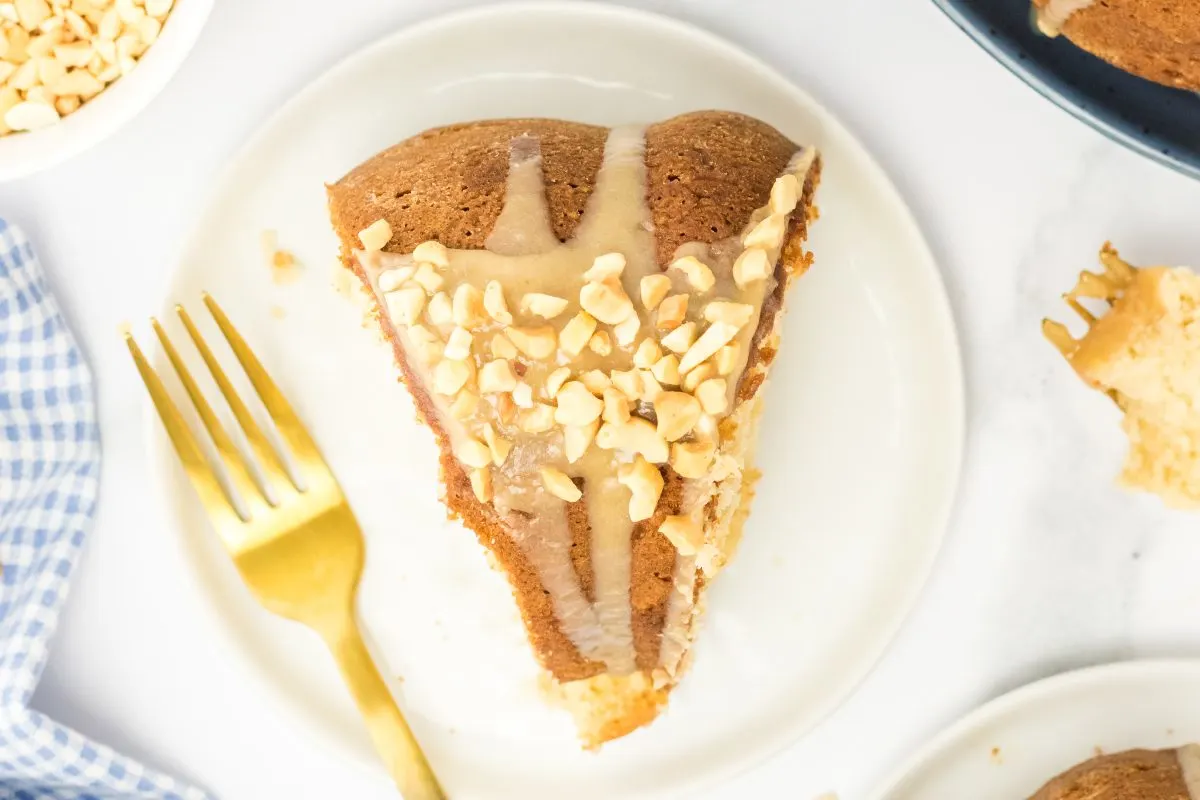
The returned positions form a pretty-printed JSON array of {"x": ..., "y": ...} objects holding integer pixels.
[{"x": 49, "y": 476}]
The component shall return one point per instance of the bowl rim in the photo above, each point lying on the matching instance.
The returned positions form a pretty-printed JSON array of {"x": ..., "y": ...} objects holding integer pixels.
[{"x": 23, "y": 154}]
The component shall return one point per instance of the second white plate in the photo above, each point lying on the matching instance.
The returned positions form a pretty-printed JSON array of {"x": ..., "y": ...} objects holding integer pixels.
[
  {"x": 1013, "y": 745},
  {"x": 862, "y": 434}
]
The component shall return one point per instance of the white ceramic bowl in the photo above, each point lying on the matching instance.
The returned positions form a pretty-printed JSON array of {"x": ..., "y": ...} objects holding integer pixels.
[{"x": 25, "y": 153}]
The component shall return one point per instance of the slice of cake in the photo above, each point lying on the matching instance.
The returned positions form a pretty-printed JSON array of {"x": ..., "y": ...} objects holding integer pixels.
[
  {"x": 1130, "y": 775},
  {"x": 1145, "y": 353},
  {"x": 585, "y": 318},
  {"x": 1159, "y": 41}
]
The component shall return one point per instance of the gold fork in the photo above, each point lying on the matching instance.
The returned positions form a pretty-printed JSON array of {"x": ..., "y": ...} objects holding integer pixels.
[{"x": 300, "y": 550}]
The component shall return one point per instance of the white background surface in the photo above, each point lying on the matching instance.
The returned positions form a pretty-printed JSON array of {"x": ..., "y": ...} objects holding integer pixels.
[{"x": 1047, "y": 566}]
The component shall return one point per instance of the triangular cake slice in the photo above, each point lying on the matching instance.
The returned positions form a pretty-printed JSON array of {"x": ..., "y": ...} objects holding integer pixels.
[
  {"x": 1144, "y": 352},
  {"x": 585, "y": 318}
]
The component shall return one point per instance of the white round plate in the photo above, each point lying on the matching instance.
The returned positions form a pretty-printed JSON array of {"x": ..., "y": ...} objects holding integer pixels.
[
  {"x": 1013, "y": 745},
  {"x": 860, "y": 453}
]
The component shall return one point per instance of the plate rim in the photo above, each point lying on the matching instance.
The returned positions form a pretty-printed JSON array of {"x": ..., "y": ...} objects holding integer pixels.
[
  {"x": 938, "y": 297},
  {"x": 991, "y": 45},
  {"x": 1025, "y": 696}
]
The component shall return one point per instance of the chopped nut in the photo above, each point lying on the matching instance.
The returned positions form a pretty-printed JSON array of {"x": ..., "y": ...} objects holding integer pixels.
[
  {"x": 506, "y": 407},
  {"x": 464, "y": 404},
  {"x": 473, "y": 453},
  {"x": 698, "y": 275},
  {"x": 596, "y": 381},
  {"x": 600, "y": 343},
  {"x": 375, "y": 235},
  {"x": 717, "y": 336},
  {"x": 404, "y": 305},
  {"x": 578, "y": 438},
  {"x": 629, "y": 383},
  {"x": 767, "y": 234},
  {"x": 683, "y": 532},
  {"x": 498, "y": 446},
  {"x": 432, "y": 253},
  {"x": 428, "y": 277},
  {"x": 752, "y": 265},
  {"x": 699, "y": 375},
  {"x": 650, "y": 386},
  {"x": 458, "y": 345},
  {"x": 672, "y": 311},
  {"x": 606, "y": 302},
  {"x": 481, "y": 484},
  {"x": 647, "y": 354},
  {"x": 692, "y": 459},
  {"x": 393, "y": 279},
  {"x": 577, "y": 333},
  {"x": 538, "y": 419},
  {"x": 576, "y": 405},
  {"x": 426, "y": 343},
  {"x": 537, "y": 343},
  {"x": 677, "y": 414},
  {"x": 736, "y": 314},
  {"x": 645, "y": 484},
  {"x": 495, "y": 304},
  {"x": 559, "y": 485},
  {"x": 785, "y": 194},
  {"x": 497, "y": 376},
  {"x": 450, "y": 376},
  {"x": 543, "y": 305},
  {"x": 616, "y": 406},
  {"x": 522, "y": 395},
  {"x": 625, "y": 332},
  {"x": 726, "y": 359},
  {"x": 555, "y": 381},
  {"x": 29, "y": 116},
  {"x": 635, "y": 436},
  {"x": 666, "y": 370},
  {"x": 440, "y": 311},
  {"x": 680, "y": 339},
  {"x": 712, "y": 395},
  {"x": 501, "y": 347},
  {"x": 609, "y": 265},
  {"x": 654, "y": 289},
  {"x": 467, "y": 308}
]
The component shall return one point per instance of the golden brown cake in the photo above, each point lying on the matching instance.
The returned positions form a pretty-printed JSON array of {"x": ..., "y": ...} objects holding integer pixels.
[
  {"x": 1145, "y": 353},
  {"x": 1154, "y": 39},
  {"x": 585, "y": 318},
  {"x": 1131, "y": 775}
]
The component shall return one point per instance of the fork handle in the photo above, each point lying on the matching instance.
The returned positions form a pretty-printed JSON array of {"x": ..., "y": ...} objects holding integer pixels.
[{"x": 393, "y": 738}]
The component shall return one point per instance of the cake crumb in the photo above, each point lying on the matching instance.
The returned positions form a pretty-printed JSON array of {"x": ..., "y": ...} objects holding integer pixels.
[
  {"x": 997, "y": 756},
  {"x": 283, "y": 264},
  {"x": 1097, "y": 751},
  {"x": 277, "y": 312},
  {"x": 827, "y": 796}
]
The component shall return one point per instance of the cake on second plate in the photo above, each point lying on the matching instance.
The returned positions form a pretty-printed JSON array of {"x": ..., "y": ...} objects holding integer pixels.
[
  {"x": 1145, "y": 353},
  {"x": 585, "y": 318},
  {"x": 1159, "y": 41},
  {"x": 1130, "y": 775}
]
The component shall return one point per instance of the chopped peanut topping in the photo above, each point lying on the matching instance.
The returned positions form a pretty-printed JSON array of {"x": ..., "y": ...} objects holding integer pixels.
[
  {"x": 645, "y": 484},
  {"x": 717, "y": 336},
  {"x": 376, "y": 235},
  {"x": 555, "y": 381},
  {"x": 458, "y": 346},
  {"x": 609, "y": 265},
  {"x": 522, "y": 395},
  {"x": 441, "y": 311},
  {"x": 683, "y": 532},
  {"x": 677, "y": 414},
  {"x": 559, "y": 485},
  {"x": 495, "y": 304},
  {"x": 468, "y": 310},
  {"x": 481, "y": 484},
  {"x": 546, "y": 306},
  {"x": 680, "y": 339},
  {"x": 692, "y": 381},
  {"x": 600, "y": 343},
  {"x": 767, "y": 234},
  {"x": 616, "y": 406},
  {"x": 473, "y": 453},
  {"x": 736, "y": 314},
  {"x": 405, "y": 305},
  {"x": 596, "y": 381},
  {"x": 450, "y": 376},
  {"x": 497, "y": 376},
  {"x": 432, "y": 253},
  {"x": 692, "y": 459},
  {"x": 426, "y": 344},
  {"x": 501, "y": 346},
  {"x": 537, "y": 343},
  {"x": 654, "y": 288},
  {"x": 666, "y": 370},
  {"x": 647, "y": 354},
  {"x": 635, "y": 436},
  {"x": 726, "y": 360},
  {"x": 752, "y": 265},
  {"x": 428, "y": 278},
  {"x": 464, "y": 405},
  {"x": 713, "y": 396},
  {"x": 576, "y": 405},
  {"x": 698, "y": 275},
  {"x": 577, "y": 333},
  {"x": 578, "y": 438},
  {"x": 625, "y": 332},
  {"x": 785, "y": 194},
  {"x": 538, "y": 419},
  {"x": 672, "y": 311},
  {"x": 629, "y": 383},
  {"x": 498, "y": 446},
  {"x": 606, "y": 301},
  {"x": 393, "y": 279}
]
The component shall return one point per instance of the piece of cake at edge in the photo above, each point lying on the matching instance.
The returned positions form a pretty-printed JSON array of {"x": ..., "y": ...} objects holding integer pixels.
[
  {"x": 1145, "y": 353},
  {"x": 585, "y": 318},
  {"x": 1158, "y": 41},
  {"x": 1130, "y": 775}
]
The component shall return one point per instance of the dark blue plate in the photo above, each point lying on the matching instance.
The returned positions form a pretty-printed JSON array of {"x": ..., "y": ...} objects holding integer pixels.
[{"x": 1158, "y": 122}]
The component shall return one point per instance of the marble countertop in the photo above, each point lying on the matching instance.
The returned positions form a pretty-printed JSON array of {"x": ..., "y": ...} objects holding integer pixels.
[{"x": 1046, "y": 567}]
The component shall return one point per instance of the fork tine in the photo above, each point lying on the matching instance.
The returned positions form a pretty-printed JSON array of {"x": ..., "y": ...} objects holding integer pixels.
[
  {"x": 251, "y": 491},
  {"x": 213, "y": 495},
  {"x": 268, "y": 459},
  {"x": 289, "y": 425}
]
